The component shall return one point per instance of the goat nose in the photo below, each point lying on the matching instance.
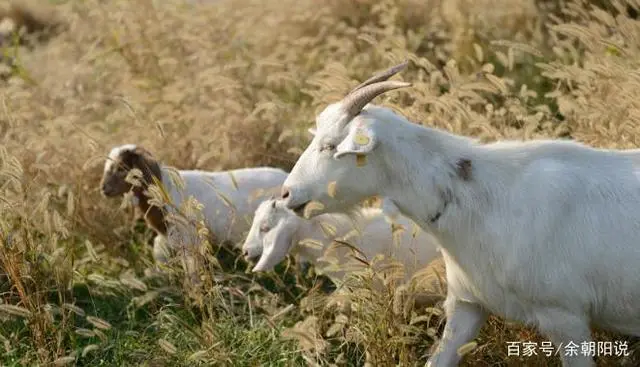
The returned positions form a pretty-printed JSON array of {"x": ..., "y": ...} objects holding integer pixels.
[
  {"x": 250, "y": 257},
  {"x": 285, "y": 193}
]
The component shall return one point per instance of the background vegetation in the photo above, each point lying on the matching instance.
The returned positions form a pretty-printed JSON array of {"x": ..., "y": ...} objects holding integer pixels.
[{"x": 234, "y": 83}]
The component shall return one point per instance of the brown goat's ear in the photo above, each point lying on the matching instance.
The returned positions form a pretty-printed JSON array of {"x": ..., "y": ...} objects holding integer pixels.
[
  {"x": 140, "y": 151},
  {"x": 128, "y": 158},
  {"x": 141, "y": 159},
  {"x": 141, "y": 156}
]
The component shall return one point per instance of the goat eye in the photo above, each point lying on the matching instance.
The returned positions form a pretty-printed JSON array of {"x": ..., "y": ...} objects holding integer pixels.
[
  {"x": 327, "y": 147},
  {"x": 264, "y": 229}
]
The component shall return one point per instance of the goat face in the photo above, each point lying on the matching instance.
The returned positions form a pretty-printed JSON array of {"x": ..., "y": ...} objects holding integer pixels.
[
  {"x": 340, "y": 167},
  {"x": 123, "y": 159},
  {"x": 114, "y": 181},
  {"x": 270, "y": 236}
]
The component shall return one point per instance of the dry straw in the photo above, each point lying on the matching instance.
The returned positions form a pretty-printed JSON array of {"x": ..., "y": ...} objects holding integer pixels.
[{"x": 237, "y": 84}]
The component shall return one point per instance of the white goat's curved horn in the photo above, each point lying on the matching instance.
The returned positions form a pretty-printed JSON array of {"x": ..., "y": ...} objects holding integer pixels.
[
  {"x": 381, "y": 77},
  {"x": 355, "y": 102}
]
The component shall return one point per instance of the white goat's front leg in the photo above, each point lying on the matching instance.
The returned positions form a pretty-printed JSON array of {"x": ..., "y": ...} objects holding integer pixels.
[
  {"x": 564, "y": 328},
  {"x": 464, "y": 320},
  {"x": 161, "y": 252},
  {"x": 191, "y": 267},
  {"x": 161, "y": 256},
  {"x": 186, "y": 244},
  {"x": 191, "y": 259}
]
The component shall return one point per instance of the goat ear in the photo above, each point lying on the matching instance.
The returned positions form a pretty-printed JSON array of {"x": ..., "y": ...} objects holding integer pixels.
[
  {"x": 312, "y": 131},
  {"x": 276, "y": 251},
  {"x": 361, "y": 139}
]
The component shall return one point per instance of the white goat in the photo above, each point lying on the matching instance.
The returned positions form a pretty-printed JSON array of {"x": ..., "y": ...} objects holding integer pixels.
[
  {"x": 543, "y": 232},
  {"x": 229, "y": 198},
  {"x": 277, "y": 230}
]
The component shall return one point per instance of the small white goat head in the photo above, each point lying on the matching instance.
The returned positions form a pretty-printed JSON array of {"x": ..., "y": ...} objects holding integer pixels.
[
  {"x": 271, "y": 235},
  {"x": 120, "y": 161},
  {"x": 342, "y": 164}
]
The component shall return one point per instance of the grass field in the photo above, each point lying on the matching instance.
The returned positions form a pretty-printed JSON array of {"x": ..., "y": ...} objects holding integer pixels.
[{"x": 234, "y": 83}]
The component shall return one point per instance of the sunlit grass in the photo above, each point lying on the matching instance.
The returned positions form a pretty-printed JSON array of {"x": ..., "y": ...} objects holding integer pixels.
[{"x": 235, "y": 83}]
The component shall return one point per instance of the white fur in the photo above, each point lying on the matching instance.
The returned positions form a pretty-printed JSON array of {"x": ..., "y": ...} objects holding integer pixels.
[
  {"x": 225, "y": 221},
  {"x": 211, "y": 189},
  {"x": 277, "y": 230},
  {"x": 543, "y": 232}
]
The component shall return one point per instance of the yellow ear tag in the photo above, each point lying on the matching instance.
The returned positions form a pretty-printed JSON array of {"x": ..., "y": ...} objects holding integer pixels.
[
  {"x": 361, "y": 139},
  {"x": 361, "y": 160}
]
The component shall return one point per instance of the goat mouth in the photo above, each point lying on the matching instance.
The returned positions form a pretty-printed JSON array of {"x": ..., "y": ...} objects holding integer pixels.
[
  {"x": 299, "y": 210},
  {"x": 252, "y": 258},
  {"x": 256, "y": 269}
]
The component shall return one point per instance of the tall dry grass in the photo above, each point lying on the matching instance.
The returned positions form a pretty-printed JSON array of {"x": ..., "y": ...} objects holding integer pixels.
[{"x": 225, "y": 84}]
